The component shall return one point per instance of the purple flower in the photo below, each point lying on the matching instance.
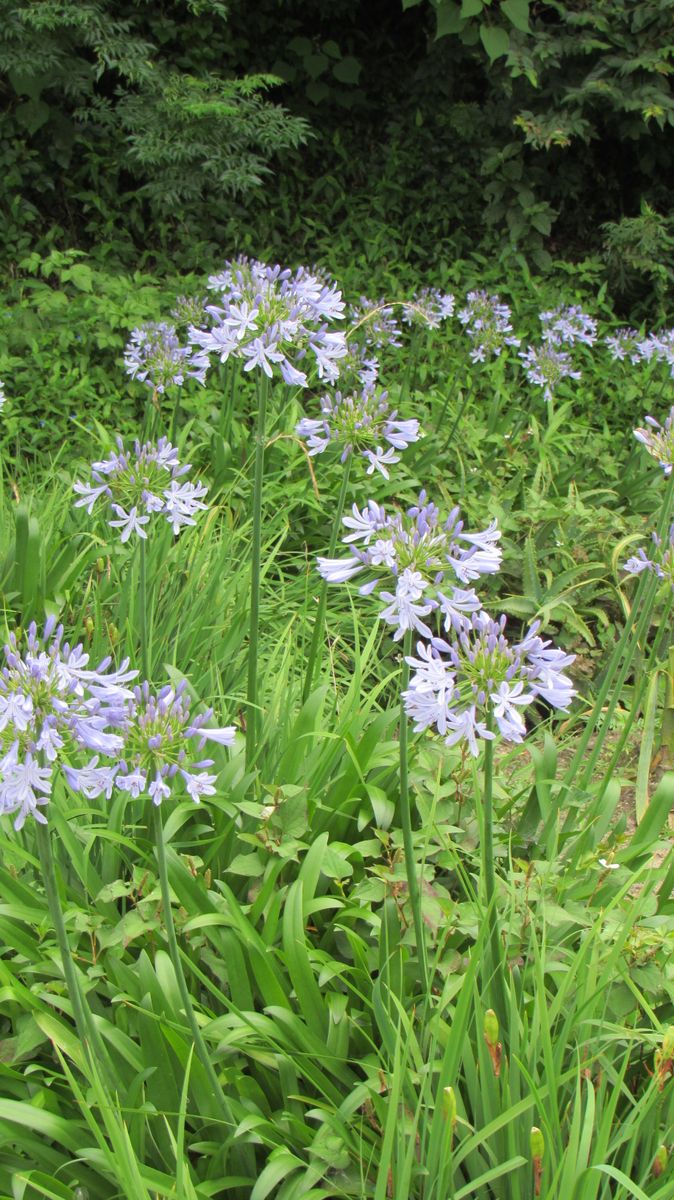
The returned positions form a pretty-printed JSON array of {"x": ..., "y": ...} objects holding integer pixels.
[
  {"x": 659, "y": 346},
  {"x": 140, "y": 485},
  {"x": 54, "y": 708},
  {"x": 163, "y": 741},
  {"x": 546, "y": 367},
  {"x": 625, "y": 343},
  {"x": 430, "y": 307},
  {"x": 273, "y": 318},
  {"x": 359, "y": 423},
  {"x": 155, "y": 356},
  {"x": 419, "y": 553},
  {"x": 457, "y": 681},
  {"x": 567, "y": 325},
  {"x": 375, "y": 324},
  {"x": 660, "y": 562},
  {"x": 659, "y": 440},
  {"x": 487, "y": 322}
]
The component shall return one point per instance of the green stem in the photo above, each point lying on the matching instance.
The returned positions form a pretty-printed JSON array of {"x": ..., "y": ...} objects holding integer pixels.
[
  {"x": 621, "y": 659},
  {"x": 255, "y": 551},
  {"x": 174, "y": 953},
  {"x": 92, "y": 1045},
  {"x": 406, "y": 822},
  {"x": 489, "y": 876},
  {"x": 320, "y": 615},
  {"x": 175, "y": 420},
  {"x": 143, "y": 601},
  {"x": 462, "y": 408}
]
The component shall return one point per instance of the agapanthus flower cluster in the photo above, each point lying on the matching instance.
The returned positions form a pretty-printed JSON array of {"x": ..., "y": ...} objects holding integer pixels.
[
  {"x": 659, "y": 346},
  {"x": 659, "y": 440},
  {"x": 458, "y": 680},
  {"x": 189, "y": 310},
  {"x": 487, "y": 322},
  {"x": 163, "y": 741},
  {"x": 360, "y": 423},
  {"x": 54, "y": 708},
  {"x": 418, "y": 553},
  {"x": 567, "y": 325},
  {"x": 429, "y": 306},
  {"x": 625, "y": 343},
  {"x": 358, "y": 368},
  {"x": 137, "y": 486},
  {"x": 270, "y": 317},
  {"x": 659, "y": 561},
  {"x": 375, "y": 323},
  {"x": 546, "y": 367},
  {"x": 155, "y": 356}
]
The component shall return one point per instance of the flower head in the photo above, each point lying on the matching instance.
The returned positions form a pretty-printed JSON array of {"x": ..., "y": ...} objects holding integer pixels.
[
  {"x": 273, "y": 318},
  {"x": 162, "y": 745},
  {"x": 419, "y": 553},
  {"x": 430, "y": 306},
  {"x": 487, "y": 323},
  {"x": 137, "y": 486},
  {"x": 659, "y": 561},
  {"x": 457, "y": 681},
  {"x": 659, "y": 440},
  {"x": 659, "y": 346},
  {"x": 625, "y": 343},
  {"x": 359, "y": 424},
  {"x": 375, "y": 324},
  {"x": 567, "y": 325},
  {"x": 155, "y": 356},
  {"x": 546, "y": 366},
  {"x": 54, "y": 709}
]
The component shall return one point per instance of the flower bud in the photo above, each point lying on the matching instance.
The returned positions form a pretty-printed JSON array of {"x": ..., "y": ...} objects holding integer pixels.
[
  {"x": 89, "y": 626},
  {"x": 100, "y": 565},
  {"x": 536, "y": 1143},
  {"x": 113, "y": 634},
  {"x": 660, "y": 1161},
  {"x": 449, "y": 1105},
  {"x": 490, "y": 1027}
]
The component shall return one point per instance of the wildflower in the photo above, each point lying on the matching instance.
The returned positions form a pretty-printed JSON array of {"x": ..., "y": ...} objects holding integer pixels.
[
  {"x": 625, "y": 343},
  {"x": 375, "y": 324},
  {"x": 659, "y": 346},
  {"x": 659, "y": 440},
  {"x": 458, "y": 681},
  {"x": 546, "y": 367},
  {"x": 487, "y": 323},
  {"x": 271, "y": 317},
  {"x": 359, "y": 423},
  {"x": 189, "y": 310},
  {"x": 53, "y": 708},
  {"x": 429, "y": 307},
  {"x": 567, "y": 325},
  {"x": 162, "y": 745},
  {"x": 661, "y": 561},
  {"x": 140, "y": 485},
  {"x": 419, "y": 553},
  {"x": 2, "y": 394},
  {"x": 155, "y": 356}
]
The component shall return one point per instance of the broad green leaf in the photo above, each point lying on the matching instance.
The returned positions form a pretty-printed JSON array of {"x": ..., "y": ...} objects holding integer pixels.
[
  {"x": 517, "y": 11},
  {"x": 495, "y": 41},
  {"x": 471, "y": 8},
  {"x": 447, "y": 19}
]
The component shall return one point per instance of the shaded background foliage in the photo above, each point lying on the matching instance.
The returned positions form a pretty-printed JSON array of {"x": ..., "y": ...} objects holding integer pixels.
[{"x": 544, "y": 126}]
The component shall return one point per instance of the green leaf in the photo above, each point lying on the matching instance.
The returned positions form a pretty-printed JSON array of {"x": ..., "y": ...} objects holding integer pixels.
[
  {"x": 447, "y": 19},
  {"x": 517, "y": 12},
  {"x": 81, "y": 275},
  {"x": 471, "y": 8},
  {"x": 654, "y": 818},
  {"x": 316, "y": 64},
  {"x": 347, "y": 70},
  {"x": 495, "y": 41}
]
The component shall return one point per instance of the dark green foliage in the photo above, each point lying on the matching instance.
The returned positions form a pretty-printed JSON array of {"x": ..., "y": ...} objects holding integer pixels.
[{"x": 102, "y": 97}]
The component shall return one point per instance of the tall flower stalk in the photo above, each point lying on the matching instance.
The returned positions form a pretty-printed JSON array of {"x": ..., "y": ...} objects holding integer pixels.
[
  {"x": 323, "y": 593},
  {"x": 252, "y": 689},
  {"x": 406, "y": 822}
]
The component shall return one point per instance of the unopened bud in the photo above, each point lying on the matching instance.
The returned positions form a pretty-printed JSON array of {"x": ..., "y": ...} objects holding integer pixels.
[
  {"x": 89, "y": 626},
  {"x": 449, "y": 1105},
  {"x": 664, "y": 1057},
  {"x": 660, "y": 1161},
  {"x": 494, "y": 1047},
  {"x": 537, "y": 1146},
  {"x": 490, "y": 1027},
  {"x": 100, "y": 565},
  {"x": 668, "y": 1042},
  {"x": 113, "y": 634},
  {"x": 536, "y": 1143}
]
